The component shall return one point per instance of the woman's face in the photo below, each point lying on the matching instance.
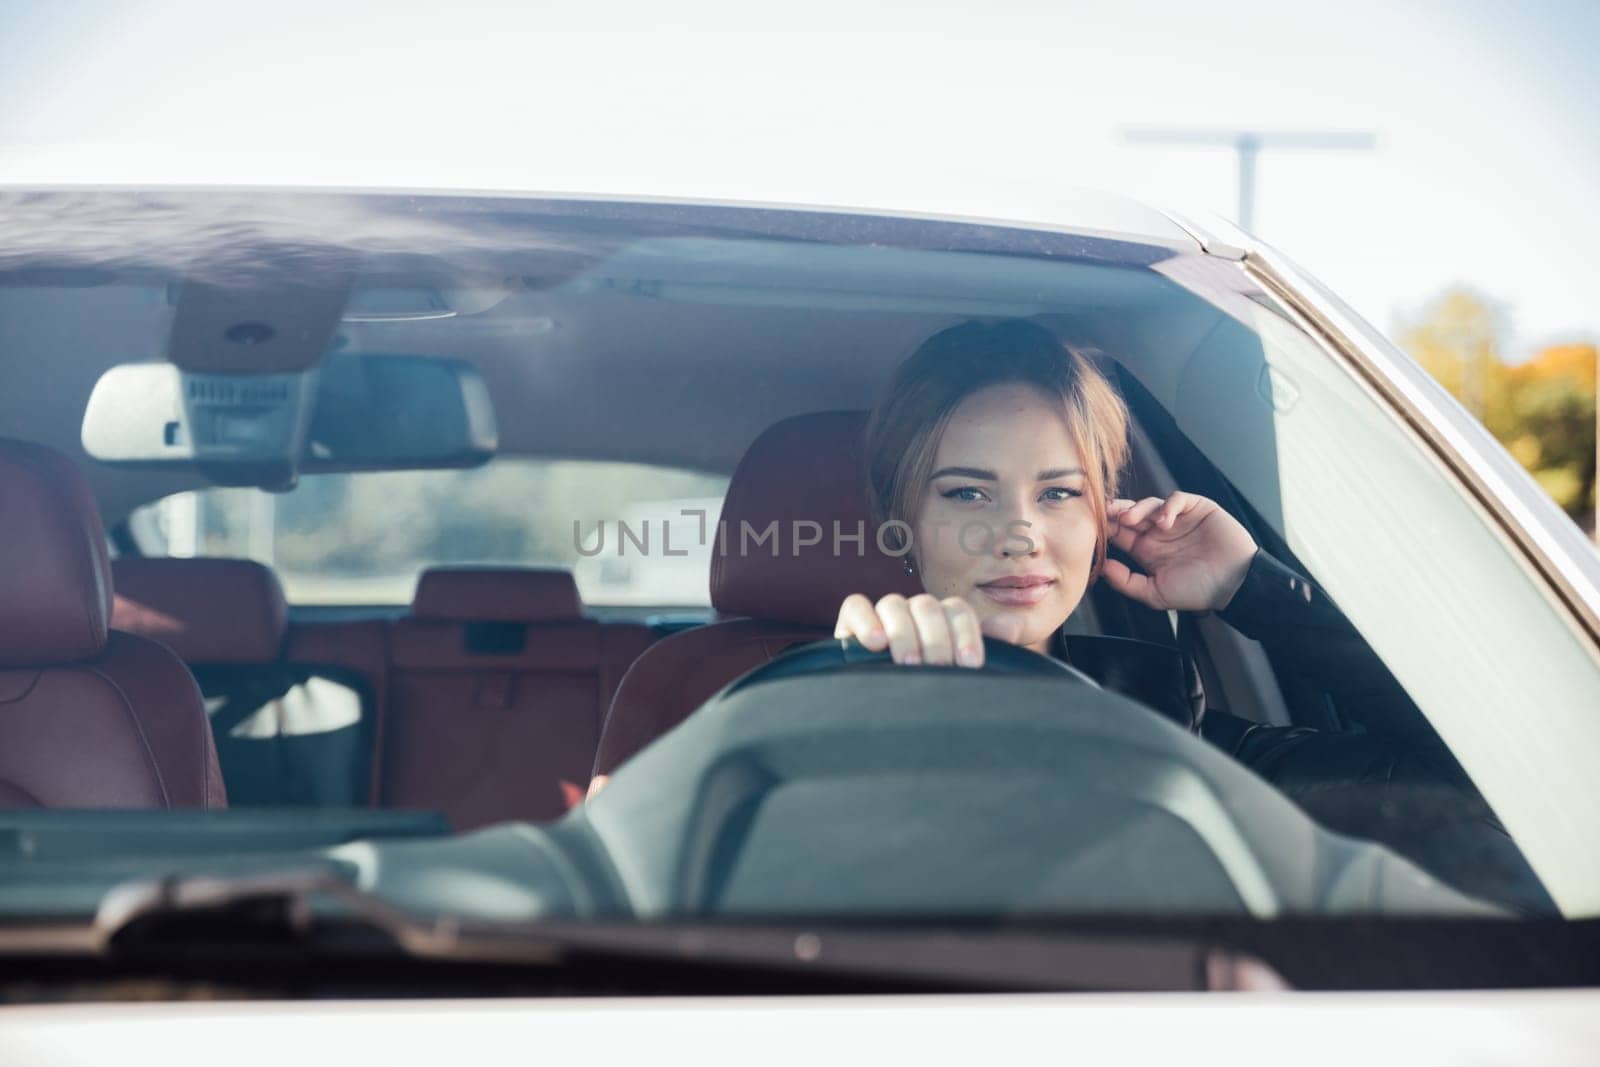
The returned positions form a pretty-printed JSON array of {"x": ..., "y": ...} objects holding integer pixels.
[{"x": 1005, "y": 521}]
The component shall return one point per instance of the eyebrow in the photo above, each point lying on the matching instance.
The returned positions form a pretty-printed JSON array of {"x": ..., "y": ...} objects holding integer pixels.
[{"x": 991, "y": 476}]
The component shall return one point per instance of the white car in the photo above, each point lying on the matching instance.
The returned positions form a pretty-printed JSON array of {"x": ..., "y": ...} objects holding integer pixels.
[{"x": 352, "y": 820}]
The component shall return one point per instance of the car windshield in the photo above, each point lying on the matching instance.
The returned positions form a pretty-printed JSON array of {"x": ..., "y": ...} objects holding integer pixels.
[{"x": 498, "y": 544}]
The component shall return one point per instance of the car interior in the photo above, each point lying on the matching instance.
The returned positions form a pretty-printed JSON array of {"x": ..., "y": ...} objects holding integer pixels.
[{"x": 746, "y": 344}]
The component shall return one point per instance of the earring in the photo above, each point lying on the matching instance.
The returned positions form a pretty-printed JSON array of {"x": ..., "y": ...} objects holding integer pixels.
[{"x": 910, "y": 570}]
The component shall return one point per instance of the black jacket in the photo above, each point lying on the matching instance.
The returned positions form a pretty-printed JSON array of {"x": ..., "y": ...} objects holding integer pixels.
[{"x": 1395, "y": 788}]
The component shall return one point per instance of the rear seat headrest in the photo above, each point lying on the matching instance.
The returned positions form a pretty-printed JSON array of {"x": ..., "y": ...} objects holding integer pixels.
[
  {"x": 205, "y": 610},
  {"x": 55, "y": 578},
  {"x": 496, "y": 594},
  {"x": 802, "y": 471}
]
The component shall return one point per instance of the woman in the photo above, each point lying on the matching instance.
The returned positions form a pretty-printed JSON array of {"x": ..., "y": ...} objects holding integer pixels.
[{"x": 995, "y": 451}]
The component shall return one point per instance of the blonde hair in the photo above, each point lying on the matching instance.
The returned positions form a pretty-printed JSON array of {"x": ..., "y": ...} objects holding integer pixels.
[{"x": 909, "y": 419}]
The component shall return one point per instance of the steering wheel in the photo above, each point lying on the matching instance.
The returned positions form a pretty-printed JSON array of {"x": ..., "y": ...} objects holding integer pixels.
[
  {"x": 848, "y": 655},
  {"x": 878, "y": 790}
]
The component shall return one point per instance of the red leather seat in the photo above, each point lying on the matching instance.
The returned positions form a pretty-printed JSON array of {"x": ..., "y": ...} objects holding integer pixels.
[
  {"x": 804, "y": 470},
  {"x": 497, "y": 688},
  {"x": 89, "y": 717},
  {"x": 289, "y": 731},
  {"x": 208, "y": 611},
  {"x": 216, "y": 612}
]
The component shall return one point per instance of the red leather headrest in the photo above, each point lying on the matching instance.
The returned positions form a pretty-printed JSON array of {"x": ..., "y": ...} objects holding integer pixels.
[
  {"x": 205, "y": 610},
  {"x": 55, "y": 579},
  {"x": 806, "y": 475},
  {"x": 496, "y": 594}
]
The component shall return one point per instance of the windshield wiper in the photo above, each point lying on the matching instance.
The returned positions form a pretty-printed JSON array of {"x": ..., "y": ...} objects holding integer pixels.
[{"x": 315, "y": 914}]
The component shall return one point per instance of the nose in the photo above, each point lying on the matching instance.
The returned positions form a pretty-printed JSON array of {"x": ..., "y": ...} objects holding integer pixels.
[{"x": 1021, "y": 537}]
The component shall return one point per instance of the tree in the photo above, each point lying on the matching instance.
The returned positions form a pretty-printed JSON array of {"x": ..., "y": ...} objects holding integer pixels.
[
  {"x": 1550, "y": 423},
  {"x": 1457, "y": 339},
  {"x": 1543, "y": 410}
]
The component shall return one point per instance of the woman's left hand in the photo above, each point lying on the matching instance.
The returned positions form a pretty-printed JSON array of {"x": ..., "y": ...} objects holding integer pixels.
[{"x": 1194, "y": 554}]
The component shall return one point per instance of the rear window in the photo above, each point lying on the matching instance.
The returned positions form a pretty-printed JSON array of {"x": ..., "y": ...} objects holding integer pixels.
[{"x": 630, "y": 533}]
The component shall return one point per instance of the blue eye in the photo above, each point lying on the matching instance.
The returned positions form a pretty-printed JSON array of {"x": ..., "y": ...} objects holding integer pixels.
[
  {"x": 967, "y": 494},
  {"x": 1061, "y": 493}
]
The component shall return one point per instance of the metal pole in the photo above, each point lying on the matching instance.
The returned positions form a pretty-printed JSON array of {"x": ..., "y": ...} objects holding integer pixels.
[
  {"x": 1247, "y": 148},
  {"x": 1247, "y": 145}
]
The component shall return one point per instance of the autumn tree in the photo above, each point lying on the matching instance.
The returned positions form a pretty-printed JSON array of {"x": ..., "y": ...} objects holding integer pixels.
[
  {"x": 1542, "y": 410},
  {"x": 1550, "y": 423}
]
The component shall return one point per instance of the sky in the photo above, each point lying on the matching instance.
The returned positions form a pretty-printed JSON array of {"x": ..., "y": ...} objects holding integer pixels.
[{"x": 1486, "y": 114}]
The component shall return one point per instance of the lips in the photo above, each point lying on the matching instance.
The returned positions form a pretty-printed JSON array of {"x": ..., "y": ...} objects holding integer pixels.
[{"x": 1018, "y": 590}]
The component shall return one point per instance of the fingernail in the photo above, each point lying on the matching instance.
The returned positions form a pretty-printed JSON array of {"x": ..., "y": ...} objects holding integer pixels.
[
  {"x": 912, "y": 659},
  {"x": 968, "y": 656}
]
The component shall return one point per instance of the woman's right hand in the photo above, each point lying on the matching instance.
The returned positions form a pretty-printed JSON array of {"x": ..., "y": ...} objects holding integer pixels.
[{"x": 917, "y": 630}]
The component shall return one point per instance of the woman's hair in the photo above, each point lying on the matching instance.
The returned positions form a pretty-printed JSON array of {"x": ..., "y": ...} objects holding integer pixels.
[{"x": 910, "y": 417}]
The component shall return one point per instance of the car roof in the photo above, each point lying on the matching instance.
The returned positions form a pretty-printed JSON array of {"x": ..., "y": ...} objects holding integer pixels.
[{"x": 972, "y": 199}]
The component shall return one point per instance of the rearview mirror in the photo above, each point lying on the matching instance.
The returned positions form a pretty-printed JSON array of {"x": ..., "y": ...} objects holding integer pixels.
[{"x": 349, "y": 413}]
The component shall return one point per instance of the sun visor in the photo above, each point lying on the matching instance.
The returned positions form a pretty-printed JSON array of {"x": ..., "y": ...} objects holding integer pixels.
[{"x": 261, "y": 309}]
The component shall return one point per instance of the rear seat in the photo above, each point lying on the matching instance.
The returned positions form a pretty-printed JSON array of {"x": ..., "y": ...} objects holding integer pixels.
[
  {"x": 497, "y": 689},
  {"x": 289, "y": 731},
  {"x": 484, "y": 703}
]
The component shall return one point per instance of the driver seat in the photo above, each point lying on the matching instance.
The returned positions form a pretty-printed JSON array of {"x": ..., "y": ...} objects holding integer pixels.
[{"x": 777, "y": 571}]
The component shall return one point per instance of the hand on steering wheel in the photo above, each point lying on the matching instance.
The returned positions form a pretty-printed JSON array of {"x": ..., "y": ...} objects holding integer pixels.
[
  {"x": 922, "y": 629},
  {"x": 847, "y": 655}
]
